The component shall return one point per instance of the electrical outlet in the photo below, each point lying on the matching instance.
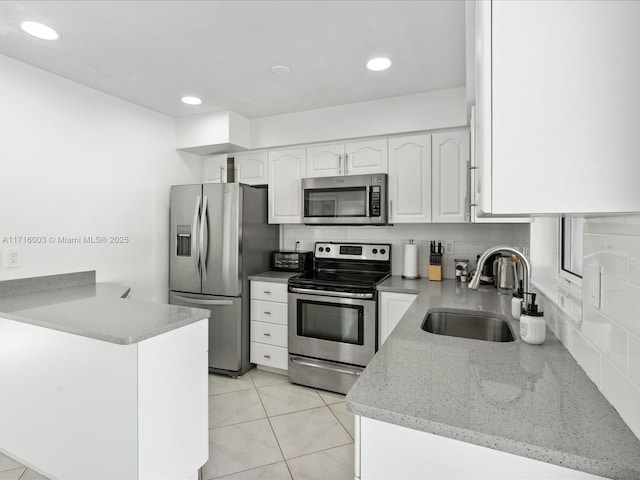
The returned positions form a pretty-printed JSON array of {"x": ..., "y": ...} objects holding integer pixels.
[
  {"x": 593, "y": 292},
  {"x": 13, "y": 258},
  {"x": 448, "y": 248}
]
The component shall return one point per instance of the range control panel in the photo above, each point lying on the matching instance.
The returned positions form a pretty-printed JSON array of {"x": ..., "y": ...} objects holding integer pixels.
[{"x": 354, "y": 251}]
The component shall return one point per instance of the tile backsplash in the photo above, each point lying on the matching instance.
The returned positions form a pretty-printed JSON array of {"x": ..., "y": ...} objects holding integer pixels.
[
  {"x": 606, "y": 340},
  {"x": 466, "y": 240}
]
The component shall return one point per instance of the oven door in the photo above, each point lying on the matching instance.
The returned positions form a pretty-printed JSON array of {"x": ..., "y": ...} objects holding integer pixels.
[{"x": 332, "y": 327}]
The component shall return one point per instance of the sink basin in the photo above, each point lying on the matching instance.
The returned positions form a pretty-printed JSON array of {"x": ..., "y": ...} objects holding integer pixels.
[{"x": 468, "y": 324}]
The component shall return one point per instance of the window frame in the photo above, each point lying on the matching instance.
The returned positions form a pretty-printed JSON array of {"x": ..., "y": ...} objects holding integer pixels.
[{"x": 571, "y": 278}]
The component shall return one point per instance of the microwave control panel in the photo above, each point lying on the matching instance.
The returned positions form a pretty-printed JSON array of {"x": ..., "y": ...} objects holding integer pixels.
[{"x": 375, "y": 201}]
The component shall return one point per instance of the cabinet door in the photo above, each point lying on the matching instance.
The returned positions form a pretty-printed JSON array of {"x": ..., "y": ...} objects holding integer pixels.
[
  {"x": 252, "y": 168},
  {"x": 450, "y": 170},
  {"x": 286, "y": 168},
  {"x": 392, "y": 307},
  {"x": 410, "y": 179},
  {"x": 325, "y": 160},
  {"x": 564, "y": 107},
  {"x": 214, "y": 169},
  {"x": 366, "y": 156}
]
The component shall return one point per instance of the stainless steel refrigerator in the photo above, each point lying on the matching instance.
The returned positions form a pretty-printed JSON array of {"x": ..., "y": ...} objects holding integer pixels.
[{"x": 220, "y": 236}]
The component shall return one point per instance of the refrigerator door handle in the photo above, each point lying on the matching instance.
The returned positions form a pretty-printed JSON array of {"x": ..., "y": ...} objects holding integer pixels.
[
  {"x": 203, "y": 302},
  {"x": 194, "y": 230},
  {"x": 204, "y": 238}
]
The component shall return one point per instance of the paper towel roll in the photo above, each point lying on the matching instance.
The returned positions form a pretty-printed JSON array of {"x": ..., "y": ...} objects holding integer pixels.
[{"x": 410, "y": 261}]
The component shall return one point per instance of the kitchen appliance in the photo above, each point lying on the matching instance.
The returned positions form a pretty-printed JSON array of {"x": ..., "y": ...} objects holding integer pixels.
[
  {"x": 505, "y": 273},
  {"x": 333, "y": 314},
  {"x": 487, "y": 271},
  {"x": 292, "y": 261},
  {"x": 345, "y": 200},
  {"x": 462, "y": 267},
  {"x": 215, "y": 244}
]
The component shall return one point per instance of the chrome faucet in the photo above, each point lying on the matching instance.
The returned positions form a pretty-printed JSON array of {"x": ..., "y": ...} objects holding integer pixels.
[{"x": 529, "y": 297}]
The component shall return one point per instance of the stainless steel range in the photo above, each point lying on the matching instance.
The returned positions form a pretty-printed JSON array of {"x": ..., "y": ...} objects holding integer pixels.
[{"x": 333, "y": 314}]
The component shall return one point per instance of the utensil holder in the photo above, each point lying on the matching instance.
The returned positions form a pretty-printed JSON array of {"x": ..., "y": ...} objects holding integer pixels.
[{"x": 435, "y": 273}]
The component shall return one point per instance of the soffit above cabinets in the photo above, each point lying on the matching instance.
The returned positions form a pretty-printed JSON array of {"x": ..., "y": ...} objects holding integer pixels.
[{"x": 152, "y": 53}]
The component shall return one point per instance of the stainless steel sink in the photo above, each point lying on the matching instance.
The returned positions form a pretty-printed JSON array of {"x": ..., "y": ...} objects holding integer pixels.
[{"x": 468, "y": 324}]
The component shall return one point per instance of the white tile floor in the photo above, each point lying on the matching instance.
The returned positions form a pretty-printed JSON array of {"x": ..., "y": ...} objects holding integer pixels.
[{"x": 263, "y": 427}]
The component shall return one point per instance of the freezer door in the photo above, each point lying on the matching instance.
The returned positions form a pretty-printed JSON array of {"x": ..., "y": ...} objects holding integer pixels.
[
  {"x": 221, "y": 239},
  {"x": 184, "y": 269},
  {"x": 225, "y": 328}
]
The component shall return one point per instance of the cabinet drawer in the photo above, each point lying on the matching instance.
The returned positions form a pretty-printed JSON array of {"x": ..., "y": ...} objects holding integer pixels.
[
  {"x": 269, "y": 355},
  {"x": 269, "y": 333},
  {"x": 271, "y": 312},
  {"x": 273, "y": 292}
]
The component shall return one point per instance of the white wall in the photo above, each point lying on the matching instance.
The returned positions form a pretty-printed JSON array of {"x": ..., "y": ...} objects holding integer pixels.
[
  {"x": 421, "y": 111},
  {"x": 605, "y": 341},
  {"x": 467, "y": 241},
  {"x": 76, "y": 162}
]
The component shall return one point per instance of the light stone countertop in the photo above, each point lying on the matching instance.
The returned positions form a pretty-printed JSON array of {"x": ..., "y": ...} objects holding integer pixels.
[
  {"x": 274, "y": 277},
  {"x": 71, "y": 303},
  {"x": 530, "y": 400}
]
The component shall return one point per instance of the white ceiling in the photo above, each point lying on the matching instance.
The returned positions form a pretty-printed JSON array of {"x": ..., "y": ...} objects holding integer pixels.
[{"x": 153, "y": 52}]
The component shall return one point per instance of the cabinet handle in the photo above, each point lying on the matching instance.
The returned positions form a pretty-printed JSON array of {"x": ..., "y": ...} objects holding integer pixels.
[
  {"x": 339, "y": 164},
  {"x": 221, "y": 174},
  {"x": 346, "y": 163},
  {"x": 267, "y": 334},
  {"x": 267, "y": 292},
  {"x": 267, "y": 313},
  {"x": 267, "y": 356}
]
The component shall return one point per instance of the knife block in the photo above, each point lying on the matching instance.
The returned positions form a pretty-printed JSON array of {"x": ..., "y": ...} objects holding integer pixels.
[{"x": 435, "y": 273}]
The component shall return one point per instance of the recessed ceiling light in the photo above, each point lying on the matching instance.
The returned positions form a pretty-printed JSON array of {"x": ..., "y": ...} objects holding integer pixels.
[
  {"x": 280, "y": 70},
  {"x": 40, "y": 30},
  {"x": 377, "y": 64},
  {"x": 191, "y": 100}
]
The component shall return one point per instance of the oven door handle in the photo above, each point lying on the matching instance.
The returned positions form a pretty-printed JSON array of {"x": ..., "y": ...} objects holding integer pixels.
[
  {"x": 323, "y": 366},
  {"x": 325, "y": 293}
]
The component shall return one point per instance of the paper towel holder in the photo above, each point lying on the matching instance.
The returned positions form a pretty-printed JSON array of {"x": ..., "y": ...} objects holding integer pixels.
[{"x": 411, "y": 277}]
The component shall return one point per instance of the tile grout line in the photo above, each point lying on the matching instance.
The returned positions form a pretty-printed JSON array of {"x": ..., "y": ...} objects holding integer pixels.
[{"x": 271, "y": 427}]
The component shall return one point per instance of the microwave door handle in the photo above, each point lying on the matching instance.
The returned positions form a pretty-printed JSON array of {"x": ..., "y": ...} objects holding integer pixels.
[
  {"x": 368, "y": 201},
  {"x": 194, "y": 234}
]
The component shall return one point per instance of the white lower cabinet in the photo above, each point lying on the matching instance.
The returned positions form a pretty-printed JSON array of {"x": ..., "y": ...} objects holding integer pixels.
[
  {"x": 391, "y": 307},
  {"x": 384, "y": 451},
  {"x": 269, "y": 324}
]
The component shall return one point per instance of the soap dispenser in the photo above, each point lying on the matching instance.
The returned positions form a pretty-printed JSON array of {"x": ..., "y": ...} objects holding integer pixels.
[{"x": 532, "y": 324}]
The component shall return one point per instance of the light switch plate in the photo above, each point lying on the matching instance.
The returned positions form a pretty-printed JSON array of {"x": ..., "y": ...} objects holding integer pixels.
[{"x": 593, "y": 279}]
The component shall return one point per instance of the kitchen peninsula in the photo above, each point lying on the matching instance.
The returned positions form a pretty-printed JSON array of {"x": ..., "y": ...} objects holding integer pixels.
[
  {"x": 95, "y": 385},
  {"x": 436, "y": 406}
]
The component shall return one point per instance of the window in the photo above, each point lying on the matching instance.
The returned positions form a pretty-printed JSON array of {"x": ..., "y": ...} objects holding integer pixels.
[{"x": 570, "y": 261}]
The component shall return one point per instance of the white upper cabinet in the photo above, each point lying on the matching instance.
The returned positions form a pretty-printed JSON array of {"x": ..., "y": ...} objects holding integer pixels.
[
  {"x": 450, "y": 160},
  {"x": 351, "y": 158},
  {"x": 366, "y": 156},
  {"x": 214, "y": 169},
  {"x": 286, "y": 169},
  {"x": 410, "y": 179},
  {"x": 557, "y": 106},
  {"x": 252, "y": 168},
  {"x": 325, "y": 160}
]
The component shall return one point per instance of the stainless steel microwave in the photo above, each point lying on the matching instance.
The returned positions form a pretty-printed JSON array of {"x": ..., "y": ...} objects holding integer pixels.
[{"x": 345, "y": 200}]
